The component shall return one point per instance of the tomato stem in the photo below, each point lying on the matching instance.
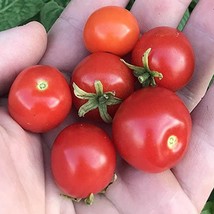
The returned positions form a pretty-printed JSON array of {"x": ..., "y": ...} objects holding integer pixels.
[
  {"x": 99, "y": 99},
  {"x": 145, "y": 76}
]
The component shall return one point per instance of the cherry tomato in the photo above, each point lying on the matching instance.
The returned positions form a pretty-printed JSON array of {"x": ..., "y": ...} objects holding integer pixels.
[
  {"x": 83, "y": 160},
  {"x": 151, "y": 129},
  {"x": 39, "y": 98},
  {"x": 171, "y": 55},
  {"x": 111, "y": 29},
  {"x": 101, "y": 81}
]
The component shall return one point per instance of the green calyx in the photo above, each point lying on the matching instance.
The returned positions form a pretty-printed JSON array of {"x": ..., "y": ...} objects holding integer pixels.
[
  {"x": 145, "y": 76},
  {"x": 100, "y": 100},
  {"x": 89, "y": 200},
  {"x": 111, "y": 182}
]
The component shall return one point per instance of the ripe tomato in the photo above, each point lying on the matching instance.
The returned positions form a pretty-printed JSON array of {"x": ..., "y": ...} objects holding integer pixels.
[
  {"x": 101, "y": 81},
  {"x": 111, "y": 29},
  {"x": 151, "y": 129},
  {"x": 39, "y": 98},
  {"x": 83, "y": 160},
  {"x": 171, "y": 55}
]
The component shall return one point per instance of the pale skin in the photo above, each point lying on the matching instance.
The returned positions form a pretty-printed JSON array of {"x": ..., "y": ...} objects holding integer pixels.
[{"x": 26, "y": 183}]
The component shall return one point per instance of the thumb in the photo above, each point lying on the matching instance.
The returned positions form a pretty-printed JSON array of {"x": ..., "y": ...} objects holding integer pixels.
[{"x": 20, "y": 47}]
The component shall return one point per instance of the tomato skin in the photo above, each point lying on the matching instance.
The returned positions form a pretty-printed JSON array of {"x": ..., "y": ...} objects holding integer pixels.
[
  {"x": 171, "y": 54},
  {"x": 143, "y": 125},
  {"x": 113, "y": 74},
  {"x": 83, "y": 160},
  {"x": 111, "y": 29},
  {"x": 39, "y": 109}
]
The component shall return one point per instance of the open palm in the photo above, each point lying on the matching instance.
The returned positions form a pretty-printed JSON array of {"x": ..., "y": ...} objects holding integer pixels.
[{"x": 26, "y": 183}]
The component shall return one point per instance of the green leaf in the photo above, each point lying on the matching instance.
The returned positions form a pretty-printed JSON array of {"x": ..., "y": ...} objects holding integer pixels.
[
  {"x": 62, "y": 3},
  {"x": 34, "y": 18},
  {"x": 49, "y": 14},
  {"x": 16, "y": 12},
  {"x": 208, "y": 208},
  {"x": 211, "y": 197}
]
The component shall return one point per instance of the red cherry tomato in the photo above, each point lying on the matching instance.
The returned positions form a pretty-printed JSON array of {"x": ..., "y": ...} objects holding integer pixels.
[
  {"x": 111, "y": 29},
  {"x": 83, "y": 160},
  {"x": 151, "y": 129},
  {"x": 171, "y": 55},
  {"x": 106, "y": 81},
  {"x": 39, "y": 98}
]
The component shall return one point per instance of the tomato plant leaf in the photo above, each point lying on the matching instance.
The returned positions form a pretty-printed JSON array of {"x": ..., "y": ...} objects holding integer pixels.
[
  {"x": 208, "y": 208},
  {"x": 15, "y": 12},
  {"x": 62, "y": 3},
  {"x": 49, "y": 13}
]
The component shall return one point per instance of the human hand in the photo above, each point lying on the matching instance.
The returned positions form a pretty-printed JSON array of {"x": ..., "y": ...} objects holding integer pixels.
[
  {"x": 189, "y": 183},
  {"x": 21, "y": 167}
]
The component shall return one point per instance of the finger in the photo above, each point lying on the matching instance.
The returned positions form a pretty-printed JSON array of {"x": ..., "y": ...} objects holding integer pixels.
[
  {"x": 55, "y": 202},
  {"x": 153, "y": 13},
  {"x": 148, "y": 193},
  {"x": 21, "y": 166},
  {"x": 65, "y": 43},
  {"x": 196, "y": 171},
  {"x": 20, "y": 47},
  {"x": 200, "y": 31}
]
